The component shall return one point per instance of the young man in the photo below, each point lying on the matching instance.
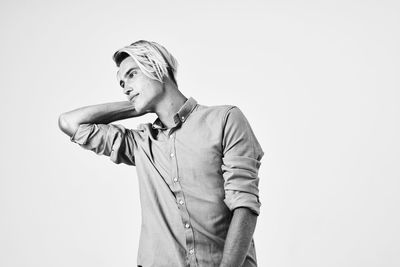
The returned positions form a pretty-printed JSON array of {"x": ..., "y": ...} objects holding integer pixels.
[{"x": 197, "y": 165}]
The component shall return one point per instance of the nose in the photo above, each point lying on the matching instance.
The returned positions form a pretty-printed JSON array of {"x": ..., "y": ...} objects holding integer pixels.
[{"x": 127, "y": 90}]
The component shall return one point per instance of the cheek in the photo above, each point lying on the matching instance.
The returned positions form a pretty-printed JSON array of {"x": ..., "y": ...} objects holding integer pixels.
[
  {"x": 152, "y": 87},
  {"x": 143, "y": 82}
]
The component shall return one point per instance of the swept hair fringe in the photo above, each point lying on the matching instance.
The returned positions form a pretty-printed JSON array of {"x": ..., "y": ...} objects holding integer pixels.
[{"x": 152, "y": 58}]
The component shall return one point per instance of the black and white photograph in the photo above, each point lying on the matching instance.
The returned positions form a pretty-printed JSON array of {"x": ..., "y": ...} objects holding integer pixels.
[{"x": 200, "y": 133}]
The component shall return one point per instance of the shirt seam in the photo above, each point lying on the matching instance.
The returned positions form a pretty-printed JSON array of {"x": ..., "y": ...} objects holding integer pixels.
[{"x": 224, "y": 119}]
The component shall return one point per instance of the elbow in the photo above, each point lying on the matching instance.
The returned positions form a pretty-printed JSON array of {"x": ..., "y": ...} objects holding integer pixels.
[{"x": 66, "y": 125}]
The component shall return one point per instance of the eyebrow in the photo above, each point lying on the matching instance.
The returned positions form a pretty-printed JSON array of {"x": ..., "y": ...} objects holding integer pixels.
[{"x": 129, "y": 70}]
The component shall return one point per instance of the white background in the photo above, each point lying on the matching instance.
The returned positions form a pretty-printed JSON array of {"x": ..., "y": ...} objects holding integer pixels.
[{"x": 317, "y": 80}]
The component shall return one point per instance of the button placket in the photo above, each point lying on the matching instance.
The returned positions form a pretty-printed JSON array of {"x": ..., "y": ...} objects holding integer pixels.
[{"x": 180, "y": 200}]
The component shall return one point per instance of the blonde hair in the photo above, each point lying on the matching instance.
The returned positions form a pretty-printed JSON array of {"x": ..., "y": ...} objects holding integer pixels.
[{"x": 153, "y": 59}]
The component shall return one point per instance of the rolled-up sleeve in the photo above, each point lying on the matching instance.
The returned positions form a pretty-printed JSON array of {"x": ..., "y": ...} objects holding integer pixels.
[
  {"x": 112, "y": 140},
  {"x": 240, "y": 163}
]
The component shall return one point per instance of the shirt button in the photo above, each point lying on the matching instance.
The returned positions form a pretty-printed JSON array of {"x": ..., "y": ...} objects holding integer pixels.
[
  {"x": 176, "y": 179},
  {"x": 183, "y": 117},
  {"x": 172, "y": 155},
  {"x": 181, "y": 202},
  {"x": 187, "y": 225},
  {"x": 171, "y": 136},
  {"x": 191, "y": 251}
]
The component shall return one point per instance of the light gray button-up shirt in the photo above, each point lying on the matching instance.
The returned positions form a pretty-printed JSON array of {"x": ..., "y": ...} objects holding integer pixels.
[{"x": 191, "y": 177}]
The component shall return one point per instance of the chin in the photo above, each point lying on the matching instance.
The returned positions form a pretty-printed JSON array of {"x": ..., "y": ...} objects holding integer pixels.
[{"x": 138, "y": 107}]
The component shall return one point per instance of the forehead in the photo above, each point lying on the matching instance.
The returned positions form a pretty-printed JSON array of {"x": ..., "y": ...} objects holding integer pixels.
[{"x": 126, "y": 64}]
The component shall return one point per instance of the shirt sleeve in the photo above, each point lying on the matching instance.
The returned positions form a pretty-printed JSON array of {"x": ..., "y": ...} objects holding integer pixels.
[
  {"x": 111, "y": 140},
  {"x": 240, "y": 163}
]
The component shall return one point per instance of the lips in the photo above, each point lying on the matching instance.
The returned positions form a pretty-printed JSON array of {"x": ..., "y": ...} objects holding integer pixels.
[{"x": 131, "y": 98}]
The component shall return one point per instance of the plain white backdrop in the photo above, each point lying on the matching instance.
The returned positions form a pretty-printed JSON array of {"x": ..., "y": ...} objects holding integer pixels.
[{"x": 317, "y": 80}]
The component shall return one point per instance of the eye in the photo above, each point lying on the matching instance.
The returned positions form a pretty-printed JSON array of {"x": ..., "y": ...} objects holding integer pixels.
[
  {"x": 122, "y": 84},
  {"x": 131, "y": 74}
]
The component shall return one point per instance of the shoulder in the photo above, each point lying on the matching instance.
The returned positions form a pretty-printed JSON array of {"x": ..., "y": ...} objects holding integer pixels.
[{"x": 215, "y": 111}]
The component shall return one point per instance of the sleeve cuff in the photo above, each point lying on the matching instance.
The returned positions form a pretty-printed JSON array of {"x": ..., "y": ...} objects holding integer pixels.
[
  {"x": 235, "y": 199},
  {"x": 81, "y": 134}
]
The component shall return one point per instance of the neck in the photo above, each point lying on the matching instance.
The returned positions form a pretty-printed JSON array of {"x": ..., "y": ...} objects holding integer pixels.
[{"x": 169, "y": 105}]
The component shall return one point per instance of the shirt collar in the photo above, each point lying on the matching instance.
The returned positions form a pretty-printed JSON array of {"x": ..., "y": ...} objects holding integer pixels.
[{"x": 179, "y": 117}]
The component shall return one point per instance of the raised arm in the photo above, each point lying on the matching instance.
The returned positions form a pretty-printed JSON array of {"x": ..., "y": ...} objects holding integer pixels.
[{"x": 100, "y": 113}]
